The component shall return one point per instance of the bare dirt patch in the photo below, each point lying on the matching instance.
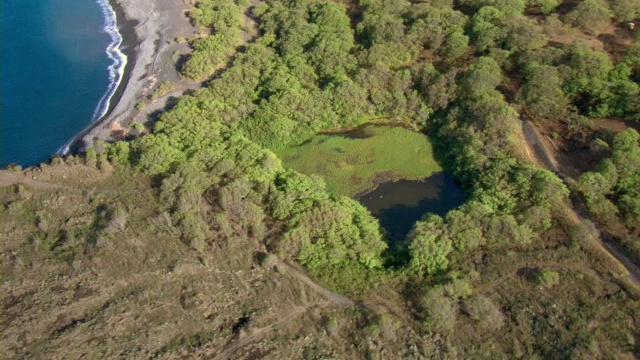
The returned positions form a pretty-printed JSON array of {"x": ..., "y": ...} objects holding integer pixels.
[{"x": 615, "y": 125}]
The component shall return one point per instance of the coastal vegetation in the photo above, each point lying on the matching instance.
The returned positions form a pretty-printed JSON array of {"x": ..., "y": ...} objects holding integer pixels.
[
  {"x": 163, "y": 89},
  {"x": 223, "y": 19},
  {"x": 239, "y": 183}
]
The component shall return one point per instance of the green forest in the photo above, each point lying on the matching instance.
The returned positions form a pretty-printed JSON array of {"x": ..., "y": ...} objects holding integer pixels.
[{"x": 250, "y": 164}]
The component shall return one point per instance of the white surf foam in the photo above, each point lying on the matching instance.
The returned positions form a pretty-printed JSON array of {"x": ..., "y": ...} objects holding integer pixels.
[{"x": 116, "y": 69}]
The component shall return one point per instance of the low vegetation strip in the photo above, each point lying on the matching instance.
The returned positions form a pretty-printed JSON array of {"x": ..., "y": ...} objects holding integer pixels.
[{"x": 355, "y": 163}]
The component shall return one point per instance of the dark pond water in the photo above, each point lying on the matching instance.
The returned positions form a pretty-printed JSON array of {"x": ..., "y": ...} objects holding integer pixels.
[{"x": 398, "y": 205}]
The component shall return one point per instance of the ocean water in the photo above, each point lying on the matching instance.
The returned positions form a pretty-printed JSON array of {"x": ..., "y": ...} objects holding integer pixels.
[{"x": 59, "y": 66}]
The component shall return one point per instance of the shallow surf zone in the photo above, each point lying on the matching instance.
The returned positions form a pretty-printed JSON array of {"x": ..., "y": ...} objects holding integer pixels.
[
  {"x": 115, "y": 54},
  {"x": 115, "y": 69}
]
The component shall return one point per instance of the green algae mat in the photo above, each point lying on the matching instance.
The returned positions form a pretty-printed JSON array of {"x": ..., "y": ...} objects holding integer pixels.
[{"x": 357, "y": 161}]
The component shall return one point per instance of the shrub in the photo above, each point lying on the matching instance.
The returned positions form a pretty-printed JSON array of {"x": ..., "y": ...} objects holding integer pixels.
[
  {"x": 548, "y": 278},
  {"x": 441, "y": 311},
  {"x": 430, "y": 245},
  {"x": 626, "y": 10},
  {"x": 590, "y": 15},
  {"x": 163, "y": 89},
  {"x": 483, "y": 310}
]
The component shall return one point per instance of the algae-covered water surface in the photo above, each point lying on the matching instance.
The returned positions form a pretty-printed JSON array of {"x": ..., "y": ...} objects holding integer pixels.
[{"x": 355, "y": 162}]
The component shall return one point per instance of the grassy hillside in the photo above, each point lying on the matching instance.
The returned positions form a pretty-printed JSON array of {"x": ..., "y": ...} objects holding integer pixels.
[
  {"x": 94, "y": 262},
  {"x": 94, "y": 266}
]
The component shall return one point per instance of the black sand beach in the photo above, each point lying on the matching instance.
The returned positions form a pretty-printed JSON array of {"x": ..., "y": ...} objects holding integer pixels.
[{"x": 149, "y": 30}]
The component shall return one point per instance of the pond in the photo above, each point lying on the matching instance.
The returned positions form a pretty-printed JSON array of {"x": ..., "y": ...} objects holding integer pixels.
[
  {"x": 354, "y": 162},
  {"x": 398, "y": 205},
  {"x": 391, "y": 170}
]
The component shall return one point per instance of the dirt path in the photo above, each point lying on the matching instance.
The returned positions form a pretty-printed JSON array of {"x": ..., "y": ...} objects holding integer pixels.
[
  {"x": 255, "y": 335},
  {"x": 533, "y": 140},
  {"x": 8, "y": 179},
  {"x": 243, "y": 339},
  {"x": 334, "y": 298},
  {"x": 578, "y": 211},
  {"x": 250, "y": 26}
]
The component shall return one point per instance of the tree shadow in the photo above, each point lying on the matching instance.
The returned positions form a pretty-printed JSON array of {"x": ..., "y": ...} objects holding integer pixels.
[
  {"x": 528, "y": 273},
  {"x": 170, "y": 103}
]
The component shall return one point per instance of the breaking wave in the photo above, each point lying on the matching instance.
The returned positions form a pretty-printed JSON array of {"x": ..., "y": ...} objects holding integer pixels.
[{"x": 116, "y": 69}]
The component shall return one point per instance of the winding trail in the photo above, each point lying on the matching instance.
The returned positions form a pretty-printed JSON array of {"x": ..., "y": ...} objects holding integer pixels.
[
  {"x": 577, "y": 211},
  {"x": 332, "y": 297},
  {"x": 255, "y": 335},
  {"x": 8, "y": 179}
]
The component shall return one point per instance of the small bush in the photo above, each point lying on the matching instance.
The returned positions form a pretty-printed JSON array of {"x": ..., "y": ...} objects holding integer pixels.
[
  {"x": 332, "y": 324},
  {"x": 118, "y": 218},
  {"x": 483, "y": 310},
  {"x": 548, "y": 278},
  {"x": 163, "y": 89},
  {"x": 441, "y": 311}
]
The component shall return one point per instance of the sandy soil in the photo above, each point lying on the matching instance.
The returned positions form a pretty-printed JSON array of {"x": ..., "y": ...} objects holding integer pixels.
[{"x": 159, "y": 23}]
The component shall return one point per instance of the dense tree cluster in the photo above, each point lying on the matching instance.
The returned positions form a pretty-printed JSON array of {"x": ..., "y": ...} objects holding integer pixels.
[
  {"x": 509, "y": 202},
  {"x": 223, "y": 18},
  {"x": 612, "y": 191}
]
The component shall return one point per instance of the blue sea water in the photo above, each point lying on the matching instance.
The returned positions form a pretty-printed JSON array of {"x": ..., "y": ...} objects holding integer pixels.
[{"x": 54, "y": 74}]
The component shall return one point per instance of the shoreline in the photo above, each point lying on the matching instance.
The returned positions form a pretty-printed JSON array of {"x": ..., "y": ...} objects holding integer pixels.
[
  {"x": 126, "y": 29},
  {"x": 130, "y": 41},
  {"x": 147, "y": 29}
]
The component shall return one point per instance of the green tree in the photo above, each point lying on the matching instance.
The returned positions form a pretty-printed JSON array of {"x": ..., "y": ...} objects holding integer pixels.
[
  {"x": 543, "y": 94},
  {"x": 590, "y": 15},
  {"x": 435, "y": 25},
  {"x": 438, "y": 89},
  {"x": 545, "y": 6},
  {"x": 466, "y": 228},
  {"x": 487, "y": 29},
  {"x": 482, "y": 79},
  {"x": 456, "y": 47},
  {"x": 330, "y": 50},
  {"x": 594, "y": 185},
  {"x": 485, "y": 311},
  {"x": 430, "y": 245},
  {"x": 387, "y": 89},
  {"x": 441, "y": 311},
  {"x": 626, "y": 10},
  {"x": 548, "y": 278},
  {"x": 524, "y": 34}
]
